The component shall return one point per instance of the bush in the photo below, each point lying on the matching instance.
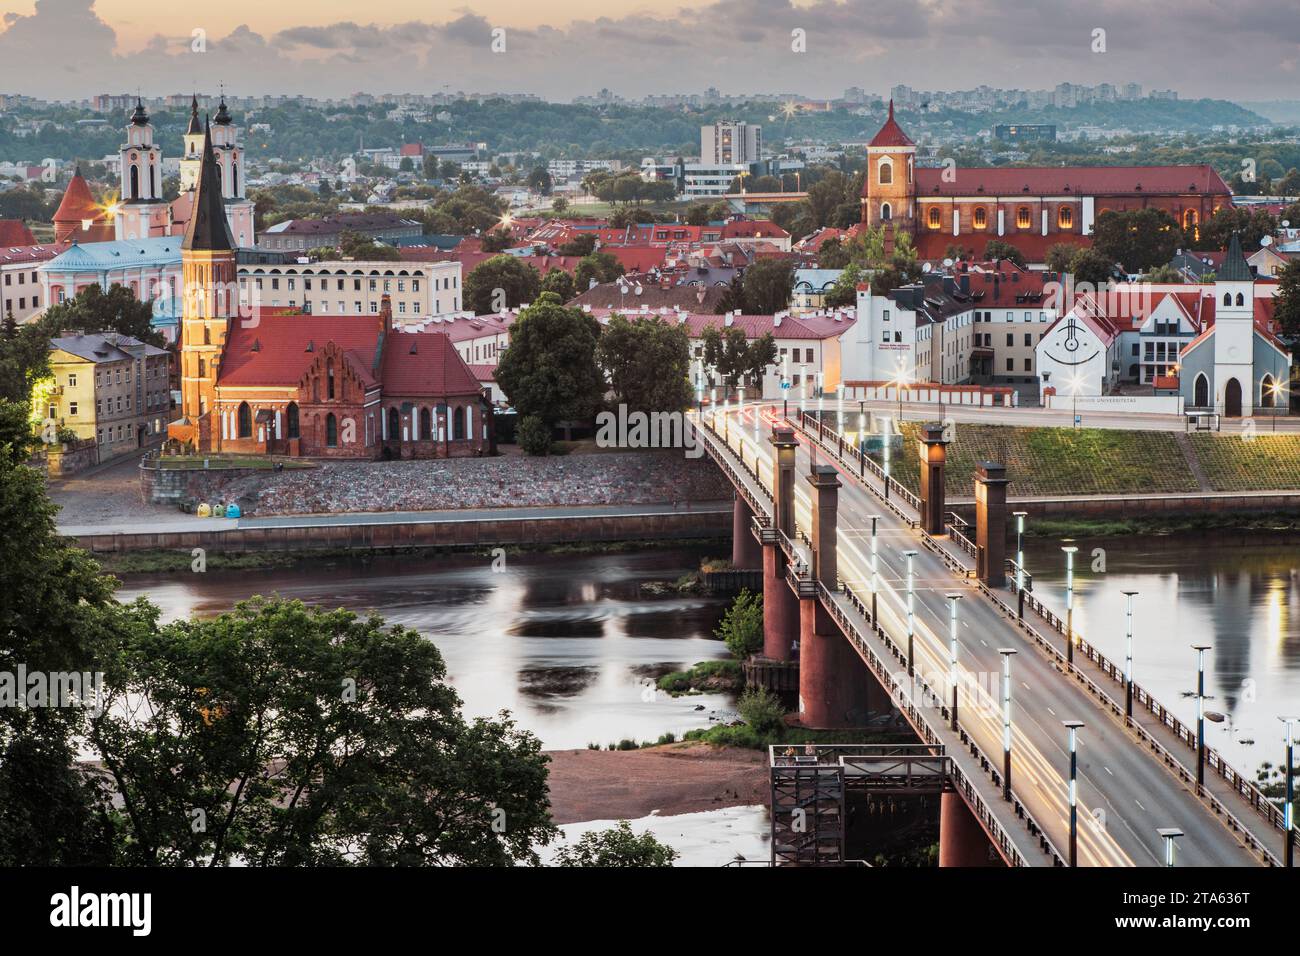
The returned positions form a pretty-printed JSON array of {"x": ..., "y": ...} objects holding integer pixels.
[
  {"x": 533, "y": 435},
  {"x": 616, "y": 847},
  {"x": 762, "y": 710},
  {"x": 742, "y": 626}
]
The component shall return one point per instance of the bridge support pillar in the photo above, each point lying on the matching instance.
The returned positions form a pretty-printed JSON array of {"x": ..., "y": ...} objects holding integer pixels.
[
  {"x": 933, "y": 455},
  {"x": 991, "y": 523},
  {"x": 744, "y": 547},
  {"x": 780, "y": 607},
  {"x": 962, "y": 841},
  {"x": 835, "y": 687}
]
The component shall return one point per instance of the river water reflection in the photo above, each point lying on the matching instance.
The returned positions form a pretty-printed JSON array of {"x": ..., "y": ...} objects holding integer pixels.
[
  {"x": 1195, "y": 589},
  {"x": 563, "y": 642}
]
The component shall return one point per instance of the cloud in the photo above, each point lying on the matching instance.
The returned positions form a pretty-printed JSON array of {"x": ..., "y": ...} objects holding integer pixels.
[{"x": 1201, "y": 47}]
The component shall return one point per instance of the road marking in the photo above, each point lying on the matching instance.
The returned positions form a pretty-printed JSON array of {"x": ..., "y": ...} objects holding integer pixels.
[
  {"x": 1108, "y": 770},
  {"x": 1052, "y": 712},
  {"x": 1140, "y": 807}
]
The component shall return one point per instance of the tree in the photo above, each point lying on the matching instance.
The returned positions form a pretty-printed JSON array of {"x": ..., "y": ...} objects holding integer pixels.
[
  {"x": 997, "y": 249},
  {"x": 307, "y": 737},
  {"x": 1059, "y": 255},
  {"x": 1286, "y": 304},
  {"x": 407, "y": 165},
  {"x": 539, "y": 181},
  {"x": 1139, "y": 239},
  {"x": 550, "y": 368},
  {"x": 501, "y": 282},
  {"x": 580, "y": 245},
  {"x": 647, "y": 361},
  {"x": 762, "y": 710},
  {"x": 1090, "y": 266},
  {"x": 1252, "y": 225},
  {"x": 600, "y": 266},
  {"x": 1163, "y": 275},
  {"x": 533, "y": 435},
  {"x": 731, "y": 355},
  {"x": 741, "y": 628},
  {"x": 559, "y": 206},
  {"x": 768, "y": 285},
  {"x": 616, "y": 847},
  {"x": 844, "y": 290},
  {"x": 354, "y": 245},
  {"x": 832, "y": 254},
  {"x": 561, "y": 283}
]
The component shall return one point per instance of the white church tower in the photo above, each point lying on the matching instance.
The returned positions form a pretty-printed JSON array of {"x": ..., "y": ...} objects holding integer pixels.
[
  {"x": 230, "y": 162},
  {"x": 142, "y": 213},
  {"x": 1234, "y": 334},
  {"x": 193, "y": 159}
]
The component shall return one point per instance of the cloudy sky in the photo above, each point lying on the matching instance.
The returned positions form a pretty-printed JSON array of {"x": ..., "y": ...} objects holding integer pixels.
[{"x": 564, "y": 48}]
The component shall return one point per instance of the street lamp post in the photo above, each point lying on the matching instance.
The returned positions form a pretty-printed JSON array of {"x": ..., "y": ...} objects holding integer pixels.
[
  {"x": 952, "y": 653},
  {"x": 885, "y": 444},
  {"x": 1128, "y": 654},
  {"x": 875, "y": 559},
  {"x": 1006, "y": 653},
  {"x": 1288, "y": 814},
  {"x": 862, "y": 439},
  {"x": 911, "y": 612},
  {"x": 1074, "y": 726},
  {"x": 1069, "y": 602},
  {"x": 1020, "y": 563},
  {"x": 1200, "y": 713},
  {"x": 1169, "y": 834}
]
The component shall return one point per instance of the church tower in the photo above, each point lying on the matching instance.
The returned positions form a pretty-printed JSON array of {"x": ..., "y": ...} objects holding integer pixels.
[
  {"x": 230, "y": 162},
  {"x": 192, "y": 160},
  {"x": 889, "y": 191},
  {"x": 142, "y": 212},
  {"x": 1234, "y": 334},
  {"x": 210, "y": 300}
]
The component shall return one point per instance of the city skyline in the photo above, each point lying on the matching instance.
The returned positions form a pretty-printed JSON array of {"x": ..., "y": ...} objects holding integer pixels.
[{"x": 736, "y": 44}]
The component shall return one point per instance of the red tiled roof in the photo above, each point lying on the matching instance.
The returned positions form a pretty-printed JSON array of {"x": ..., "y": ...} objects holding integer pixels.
[
  {"x": 638, "y": 258},
  {"x": 281, "y": 357},
  {"x": 14, "y": 232},
  {"x": 891, "y": 134},
  {"x": 417, "y": 364},
  {"x": 30, "y": 253},
  {"x": 77, "y": 204},
  {"x": 753, "y": 229},
  {"x": 1007, "y": 181},
  {"x": 412, "y": 149}
]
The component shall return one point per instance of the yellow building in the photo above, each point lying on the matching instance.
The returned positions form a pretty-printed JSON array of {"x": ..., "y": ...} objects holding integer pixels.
[{"x": 109, "y": 387}]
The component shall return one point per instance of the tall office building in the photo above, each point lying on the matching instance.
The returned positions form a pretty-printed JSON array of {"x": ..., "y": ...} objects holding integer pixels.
[{"x": 726, "y": 144}]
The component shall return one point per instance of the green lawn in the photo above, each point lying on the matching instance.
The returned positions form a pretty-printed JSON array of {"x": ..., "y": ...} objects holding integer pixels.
[{"x": 1240, "y": 462}]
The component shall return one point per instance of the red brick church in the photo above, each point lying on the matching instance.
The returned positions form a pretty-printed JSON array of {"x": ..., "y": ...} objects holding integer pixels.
[
  {"x": 1030, "y": 207},
  {"x": 282, "y": 382}
]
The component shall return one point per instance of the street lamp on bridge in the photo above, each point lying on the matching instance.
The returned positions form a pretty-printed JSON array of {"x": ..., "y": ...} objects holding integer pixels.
[
  {"x": 1020, "y": 562},
  {"x": 1169, "y": 834},
  {"x": 875, "y": 563},
  {"x": 1288, "y": 812},
  {"x": 1074, "y": 726},
  {"x": 911, "y": 612},
  {"x": 1200, "y": 713},
  {"x": 952, "y": 654},
  {"x": 1006, "y": 653},
  {"x": 1069, "y": 550},
  {"x": 1128, "y": 653}
]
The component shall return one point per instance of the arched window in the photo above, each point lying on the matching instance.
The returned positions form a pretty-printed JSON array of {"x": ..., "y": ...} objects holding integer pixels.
[
  {"x": 291, "y": 420},
  {"x": 1241, "y": 299},
  {"x": 1267, "y": 392},
  {"x": 329, "y": 376},
  {"x": 885, "y": 172},
  {"x": 331, "y": 431},
  {"x": 1201, "y": 392},
  {"x": 426, "y": 425},
  {"x": 935, "y": 221},
  {"x": 1189, "y": 219},
  {"x": 1065, "y": 218},
  {"x": 981, "y": 218},
  {"x": 885, "y": 211},
  {"x": 394, "y": 425},
  {"x": 135, "y": 182},
  {"x": 234, "y": 179},
  {"x": 1227, "y": 298},
  {"x": 458, "y": 423},
  {"x": 245, "y": 420},
  {"x": 1022, "y": 218}
]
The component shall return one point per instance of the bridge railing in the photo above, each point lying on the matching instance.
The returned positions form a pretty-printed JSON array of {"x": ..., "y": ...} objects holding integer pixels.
[
  {"x": 851, "y": 457},
  {"x": 919, "y": 720},
  {"x": 1252, "y": 794},
  {"x": 958, "y": 529}
]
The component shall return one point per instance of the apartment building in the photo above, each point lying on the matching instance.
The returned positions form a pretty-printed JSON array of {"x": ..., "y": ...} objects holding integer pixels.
[
  {"x": 20, "y": 283},
  {"x": 109, "y": 387}
]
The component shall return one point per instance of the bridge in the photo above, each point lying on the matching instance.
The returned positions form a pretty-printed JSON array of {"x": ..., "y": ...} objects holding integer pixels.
[{"x": 884, "y": 602}]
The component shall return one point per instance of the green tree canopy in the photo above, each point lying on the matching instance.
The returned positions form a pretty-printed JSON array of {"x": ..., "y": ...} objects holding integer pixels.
[
  {"x": 550, "y": 368},
  {"x": 501, "y": 282},
  {"x": 1286, "y": 307},
  {"x": 617, "y": 847},
  {"x": 768, "y": 285},
  {"x": 647, "y": 361},
  {"x": 600, "y": 266},
  {"x": 1139, "y": 239}
]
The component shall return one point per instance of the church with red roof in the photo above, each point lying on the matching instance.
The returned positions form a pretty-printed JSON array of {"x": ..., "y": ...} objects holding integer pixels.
[
  {"x": 1032, "y": 208},
  {"x": 284, "y": 382}
]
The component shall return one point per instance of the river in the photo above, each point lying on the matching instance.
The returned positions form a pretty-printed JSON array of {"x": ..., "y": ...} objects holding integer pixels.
[
  {"x": 1243, "y": 601},
  {"x": 566, "y": 643}
]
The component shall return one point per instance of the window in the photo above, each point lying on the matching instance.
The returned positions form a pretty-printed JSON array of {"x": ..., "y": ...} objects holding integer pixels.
[
  {"x": 885, "y": 172},
  {"x": 1011, "y": 338},
  {"x": 935, "y": 219},
  {"x": 884, "y": 336},
  {"x": 884, "y": 316},
  {"x": 1189, "y": 219},
  {"x": 1011, "y": 365},
  {"x": 981, "y": 218},
  {"x": 1029, "y": 338},
  {"x": 885, "y": 211},
  {"x": 331, "y": 431},
  {"x": 72, "y": 380},
  {"x": 458, "y": 424},
  {"x": 1240, "y": 299},
  {"x": 426, "y": 425},
  {"x": 1227, "y": 298},
  {"x": 329, "y": 376},
  {"x": 1022, "y": 218},
  {"x": 245, "y": 420},
  {"x": 291, "y": 420},
  {"x": 1029, "y": 365},
  {"x": 808, "y": 356},
  {"x": 1065, "y": 218}
]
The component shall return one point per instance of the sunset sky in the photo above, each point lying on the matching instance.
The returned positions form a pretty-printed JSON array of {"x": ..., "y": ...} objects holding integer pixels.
[{"x": 76, "y": 48}]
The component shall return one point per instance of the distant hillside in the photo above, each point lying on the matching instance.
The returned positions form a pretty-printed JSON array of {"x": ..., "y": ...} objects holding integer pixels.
[{"x": 1279, "y": 111}]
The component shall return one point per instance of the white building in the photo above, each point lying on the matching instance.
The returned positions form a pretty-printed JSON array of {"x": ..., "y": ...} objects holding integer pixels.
[{"x": 730, "y": 143}]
